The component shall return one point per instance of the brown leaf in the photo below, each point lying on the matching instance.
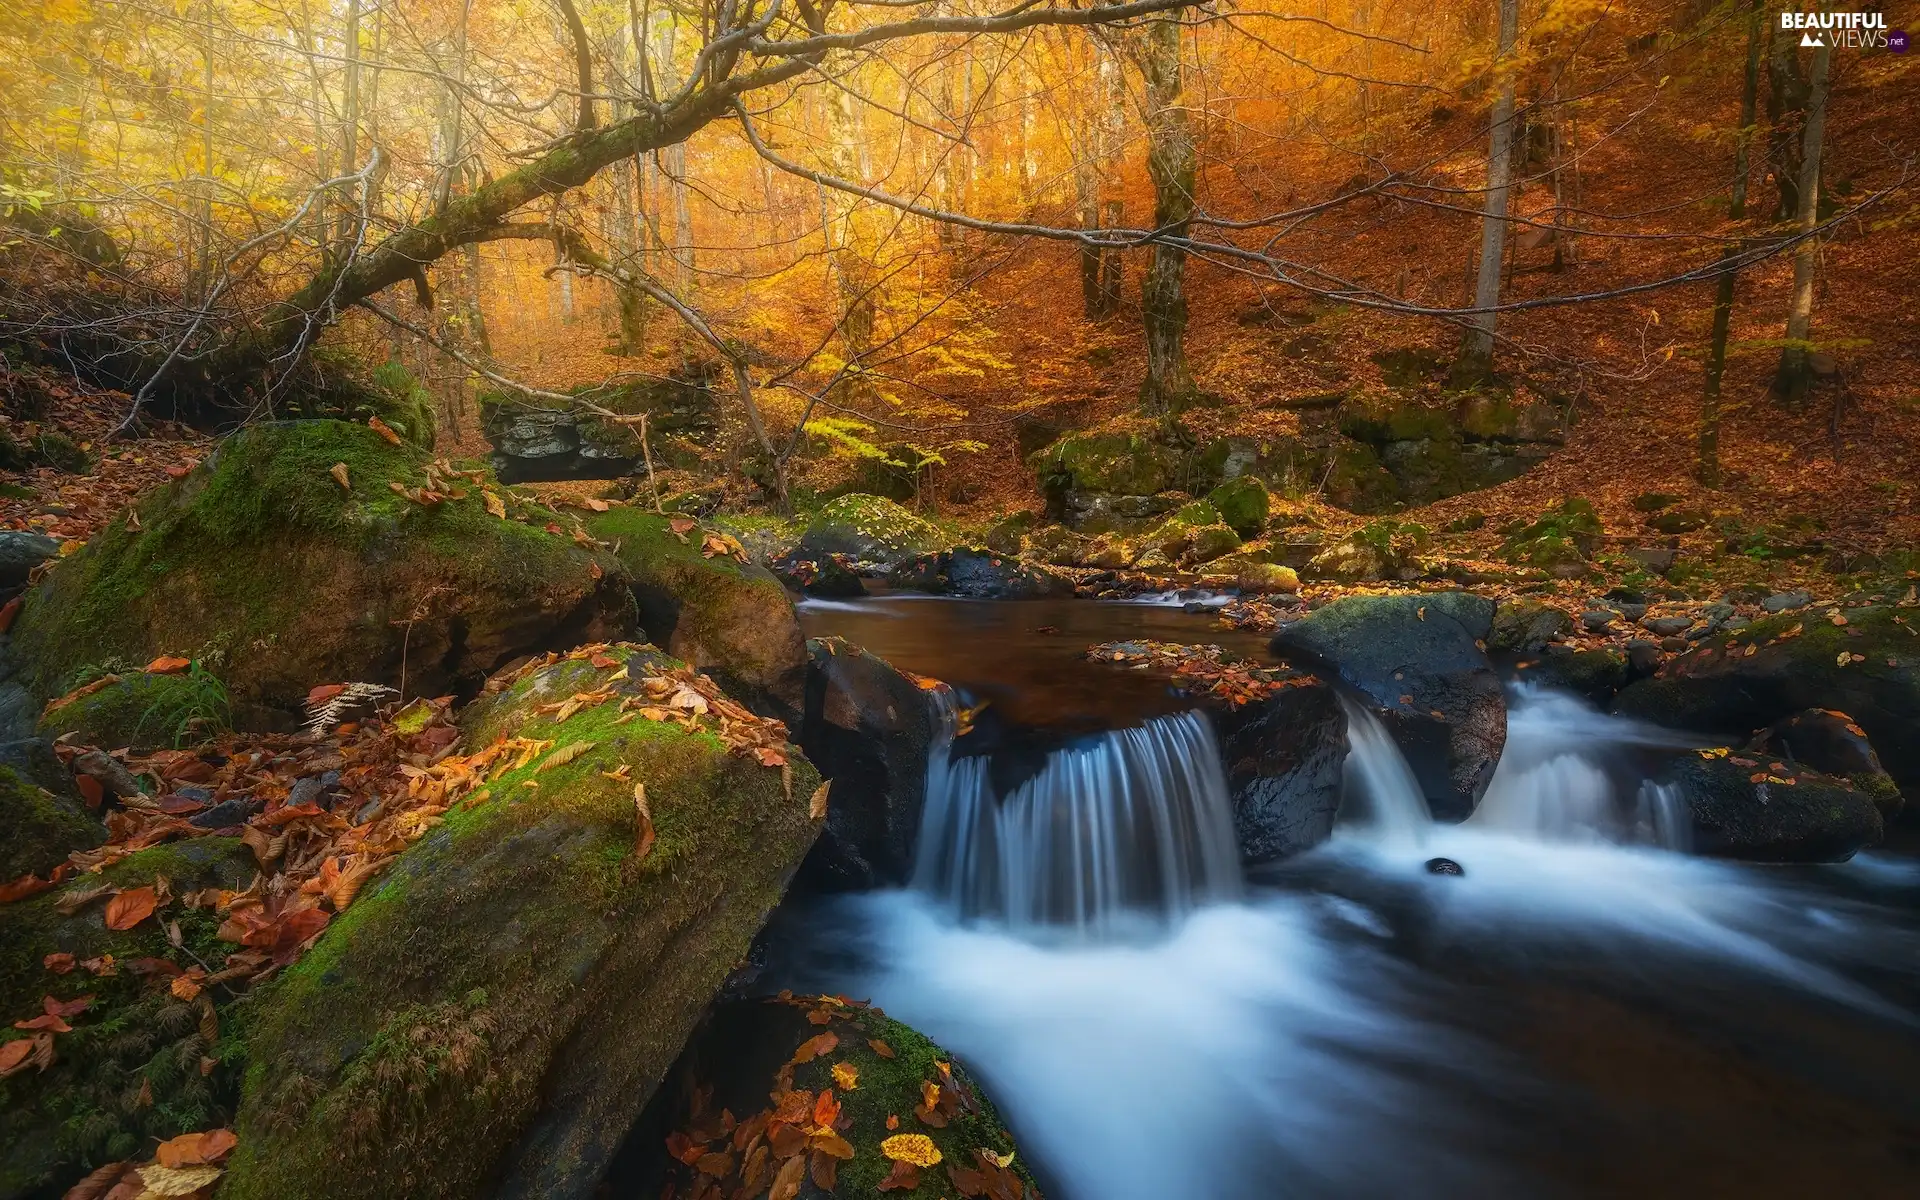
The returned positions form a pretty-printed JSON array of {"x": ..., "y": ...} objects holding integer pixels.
[
  {"x": 9, "y": 612},
  {"x": 100, "y": 1183},
  {"x": 814, "y": 1047},
  {"x": 18, "y": 1055},
  {"x": 339, "y": 473},
  {"x": 879, "y": 1047},
  {"x": 786, "y": 1183},
  {"x": 716, "y": 1164},
  {"x": 905, "y": 1177},
  {"x": 383, "y": 429},
  {"x": 817, "y": 804},
  {"x": 65, "y": 1008},
  {"x": 46, "y": 1021},
  {"x": 824, "y": 1170},
  {"x": 59, "y": 962},
  {"x": 642, "y": 823},
  {"x": 130, "y": 908},
  {"x": 165, "y": 665},
  {"x": 196, "y": 1149}
]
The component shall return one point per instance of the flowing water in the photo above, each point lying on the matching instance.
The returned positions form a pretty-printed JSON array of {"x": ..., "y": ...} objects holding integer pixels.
[{"x": 1584, "y": 1012}]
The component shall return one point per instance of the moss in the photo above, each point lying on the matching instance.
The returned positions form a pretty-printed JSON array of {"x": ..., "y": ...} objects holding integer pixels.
[
  {"x": 403, "y": 403},
  {"x": 38, "y": 829},
  {"x": 1356, "y": 480},
  {"x": 520, "y": 931},
  {"x": 1381, "y": 419},
  {"x": 1121, "y": 463},
  {"x": 870, "y": 527},
  {"x": 1243, "y": 504},
  {"x": 1561, "y": 536},
  {"x": 145, "y": 711},
  {"x": 62, "y": 453}
]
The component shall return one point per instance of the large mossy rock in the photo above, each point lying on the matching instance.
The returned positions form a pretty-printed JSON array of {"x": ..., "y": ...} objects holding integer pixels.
[
  {"x": 141, "y": 1064},
  {"x": 1781, "y": 666},
  {"x": 489, "y": 1017},
  {"x": 1243, "y": 504},
  {"x": 730, "y": 619},
  {"x": 765, "y": 1058},
  {"x": 869, "y": 729},
  {"x": 1125, "y": 464},
  {"x": 259, "y": 565},
  {"x": 549, "y": 440},
  {"x": 868, "y": 529},
  {"x": 1381, "y": 550},
  {"x": 42, "y": 818},
  {"x": 1416, "y": 662},
  {"x": 143, "y": 711},
  {"x": 1764, "y": 810}
]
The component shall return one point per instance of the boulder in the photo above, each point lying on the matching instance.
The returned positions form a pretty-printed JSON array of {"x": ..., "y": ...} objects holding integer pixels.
[
  {"x": 42, "y": 818},
  {"x": 1415, "y": 661},
  {"x": 1379, "y": 551},
  {"x": 728, "y": 618},
  {"x": 20, "y": 552},
  {"x": 1596, "y": 675},
  {"x": 142, "y": 710},
  {"x": 490, "y": 1015},
  {"x": 1832, "y": 744},
  {"x": 868, "y": 529},
  {"x": 1285, "y": 757},
  {"x": 1257, "y": 578},
  {"x": 868, "y": 728},
  {"x": 813, "y": 1057},
  {"x": 1780, "y": 666},
  {"x": 1008, "y": 536},
  {"x": 537, "y": 439},
  {"x": 1243, "y": 504},
  {"x": 261, "y": 566},
  {"x": 828, "y": 576},
  {"x": 1211, "y": 542},
  {"x": 1763, "y": 810},
  {"x": 1120, "y": 463},
  {"x": 1526, "y": 627},
  {"x": 979, "y": 574}
]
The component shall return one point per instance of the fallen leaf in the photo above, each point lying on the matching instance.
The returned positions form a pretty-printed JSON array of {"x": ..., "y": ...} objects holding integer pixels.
[
  {"x": 824, "y": 1170},
  {"x": 101, "y": 1184},
  {"x": 786, "y": 1184},
  {"x": 184, "y": 987},
  {"x": 339, "y": 473},
  {"x": 769, "y": 757},
  {"x": 915, "y": 1148},
  {"x": 19, "y": 889},
  {"x": 65, "y": 1008},
  {"x": 846, "y": 1076},
  {"x": 905, "y": 1177},
  {"x": 879, "y": 1047},
  {"x": 46, "y": 1021},
  {"x": 165, "y": 665},
  {"x": 563, "y": 756},
  {"x": 716, "y": 1165},
  {"x": 9, "y": 611},
  {"x": 196, "y": 1149},
  {"x": 59, "y": 962},
  {"x": 817, "y": 804},
  {"x": 383, "y": 429},
  {"x": 91, "y": 790},
  {"x": 814, "y": 1047},
  {"x": 642, "y": 823},
  {"x": 35, "y": 1051},
  {"x": 495, "y": 506},
  {"x": 130, "y": 908},
  {"x": 826, "y": 1110},
  {"x": 168, "y": 1181}
]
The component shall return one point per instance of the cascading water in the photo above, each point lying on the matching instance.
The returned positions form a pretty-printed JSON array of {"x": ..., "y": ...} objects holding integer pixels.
[
  {"x": 1381, "y": 793},
  {"x": 1121, "y": 824}
]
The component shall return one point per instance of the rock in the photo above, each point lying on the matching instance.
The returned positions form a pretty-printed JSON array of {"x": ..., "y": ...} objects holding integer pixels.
[
  {"x": 1643, "y": 657},
  {"x": 1657, "y": 560},
  {"x": 1285, "y": 757},
  {"x": 1526, "y": 627},
  {"x": 1381, "y": 550},
  {"x": 1747, "y": 810},
  {"x": 1562, "y": 537},
  {"x": 19, "y": 712},
  {"x": 42, "y": 818},
  {"x": 1684, "y": 520},
  {"x": 1111, "y": 552},
  {"x": 1787, "y": 601},
  {"x": 1211, "y": 542},
  {"x": 1415, "y": 661},
  {"x": 1009, "y": 536},
  {"x": 1058, "y": 546},
  {"x": 730, "y": 619},
  {"x": 1673, "y": 645},
  {"x": 868, "y": 529},
  {"x": 1666, "y": 627},
  {"x": 1119, "y": 463},
  {"x": 1630, "y": 610},
  {"x": 1255, "y": 578},
  {"x": 1648, "y": 502},
  {"x": 1832, "y": 744},
  {"x": 1596, "y": 620},
  {"x": 502, "y": 1002},
  {"x": 362, "y": 584},
  {"x": 106, "y": 770},
  {"x": 20, "y": 552},
  {"x": 1243, "y": 504},
  {"x": 1444, "y": 866},
  {"x": 867, "y": 728},
  {"x": 1794, "y": 666},
  {"x": 827, "y": 576},
  {"x": 980, "y": 574},
  {"x": 234, "y": 811},
  {"x": 144, "y": 712},
  {"x": 1596, "y": 675},
  {"x": 741, "y": 1054},
  {"x": 540, "y": 440}
]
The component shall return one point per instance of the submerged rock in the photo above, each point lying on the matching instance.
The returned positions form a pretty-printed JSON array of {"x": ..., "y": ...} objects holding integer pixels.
[
  {"x": 1415, "y": 662},
  {"x": 881, "y": 1101},
  {"x": 491, "y": 1014},
  {"x": 262, "y": 566},
  {"x": 868, "y": 728}
]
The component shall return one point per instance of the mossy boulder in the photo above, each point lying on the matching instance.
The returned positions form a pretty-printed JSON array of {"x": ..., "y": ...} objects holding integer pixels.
[
  {"x": 140, "y": 1064},
  {"x": 1381, "y": 550},
  {"x": 1259, "y": 578},
  {"x": 1120, "y": 463},
  {"x": 744, "y": 1052},
  {"x": 1526, "y": 627},
  {"x": 869, "y": 529},
  {"x": 1355, "y": 479},
  {"x": 730, "y": 619},
  {"x": 260, "y": 566},
  {"x": 1211, "y": 542},
  {"x": 144, "y": 711},
  {"x": 492, "y": 1013},
  {"x": 1009, "y": 535},
  {"x": 1766, "y": 810},
  {"x": 1058, "y": 546},
  {"x": 1243, "y": 504},
  {"x": 1596, "y": 675},
  {"x": 1829, "y": 742},
  {"x": 1782, "y": 665},
  {"x": 1559, "y": 540},
  {"x": 42, "y": 818}
]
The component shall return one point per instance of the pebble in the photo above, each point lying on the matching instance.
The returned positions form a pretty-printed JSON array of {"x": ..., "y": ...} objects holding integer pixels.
[
  {"x": 1596, "y": 621},
  {"x": 1667, "y": 627},
  {"x": 1444, "y": 866},
  {"x": 1674, "y": 644},
  {"x": 1632, "y": 612},
  {"x": 1786, "y": 601},
  {"x": 306, "y": 791},
  {"x": 1643, "y": 656},
  {"x": 232, "y": 811},
  {"x": 368, "y": 812},
  {"x": 115, "y": 778}
]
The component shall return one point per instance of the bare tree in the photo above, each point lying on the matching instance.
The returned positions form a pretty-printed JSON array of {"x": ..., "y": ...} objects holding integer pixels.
[
  {"x": 1173, "y": 165},
  {"x": 1476, "y": 354},
  {"x": 1795, "y": 378}
]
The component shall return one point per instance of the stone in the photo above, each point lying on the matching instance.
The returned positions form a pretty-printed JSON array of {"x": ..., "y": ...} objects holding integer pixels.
[
  {"x": 827, "y": 576},
  {"x": 1285, "y": 759},
  {"x": 1444, "y": 866},
  {"x": 1009, "y": 535},
  {"x": 1829, "y": 742},
  {"x": 142, "y": 711},
  {"x": 1415, "y": 661},
  {"x": 526, "y": 934},
  {"x": 1643, "y": 657},
  {"x": 1211, "y": 542},
  {"x": 107, "y": 771},
  {"x": 1524, "y": 627},
  {"x": 1648, "y": 502},
  {"x": 42, "y": 818},
  {"x": 1657, "y": 560},
  {"x": 1666, "y": 627},
  {"x": 979, "y": 574},
  {"x": 1674, "y": 644},
  {"x": 867, "y": 728},
  {"x": 230, "y": 812},
  {"x": 1787, "y": 601},
  {"x": 1757, "y": 814},
  {"x": 868, "y": 529},
  {"x": 366, "y": 584},
  {"x": 1596, "y": 620},
  {"x": 1684, "y": 520},
  {"x": 1243, "y": 504},
  {"x": 1595, "y": 675},
  {"x": 535, "y": 440},
  {"x": 1119, "y": 463},
  {"x": 20, "y": 552},
  {"x": 1256, "y": 578}
]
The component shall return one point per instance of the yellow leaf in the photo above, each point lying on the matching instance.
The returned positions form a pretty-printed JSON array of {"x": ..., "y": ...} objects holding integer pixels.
[
  {"x": 817, "y": 806},
  {"x": 495, "y": 505},
  {"x": 563, "y": 756},
  {"x": 176, "y": 1181},
  {"x": 339, "y": 473},
  {"x": 915, "y": 1148},
  {"x": 846, "y": 1076}
]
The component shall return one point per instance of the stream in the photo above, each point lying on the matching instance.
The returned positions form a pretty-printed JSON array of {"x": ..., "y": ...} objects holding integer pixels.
[{"x": 1585, "y": 1011}]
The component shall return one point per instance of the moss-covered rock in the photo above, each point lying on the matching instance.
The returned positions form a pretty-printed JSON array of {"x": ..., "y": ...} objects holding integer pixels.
[
  {"x": 1378, "y": 551},
  {"x": 261, "y": 566},
  {"x": 1243, "y": 504},
  {"x": 1120, "y": 463},
  {"x": 731, "y": 619},
  {"x": 42, "y": 819},
  {"x": 743, "y": 1051},
  {"x": 1265, "y": 578},
  {"x": 1764, "y": 810},
  {"x": 490, "y": 1016},
  {"x": 869, "y": 529},
  {"x": 1058, "y": 546},
  {"x": 1355, "y": 479},
  {"x": 1523, "y": 627},
  {"x": 980, "y": 574},
  {"x": 1009, "y": 535},
  {"x": 140, "y": 1063},
  {"x": 144, "y": 711},
  {"x": 1211, "y": 542},
  {"x": 1829, "y": 742},
  {"x": 1597, "y": 674},
  {"x": 1560, "y": 538}
]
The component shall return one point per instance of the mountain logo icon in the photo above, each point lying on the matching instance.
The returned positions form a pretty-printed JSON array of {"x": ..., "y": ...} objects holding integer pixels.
[{"x": 1807, "y": 39}]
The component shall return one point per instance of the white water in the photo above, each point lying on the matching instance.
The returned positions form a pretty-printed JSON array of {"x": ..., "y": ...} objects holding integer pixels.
[
  {"x": 1296, "y": 1042},
  {"x": 1124, "y": 824}
]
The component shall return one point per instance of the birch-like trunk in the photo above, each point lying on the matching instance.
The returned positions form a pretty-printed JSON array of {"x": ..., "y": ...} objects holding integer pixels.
[{"x": 1476, "y": 354}]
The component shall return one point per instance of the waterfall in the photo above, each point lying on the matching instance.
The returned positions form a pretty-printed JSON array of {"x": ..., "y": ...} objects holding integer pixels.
[
  {"x": 1381, "y": 792},
  {"x": 1113, "y": 826}
]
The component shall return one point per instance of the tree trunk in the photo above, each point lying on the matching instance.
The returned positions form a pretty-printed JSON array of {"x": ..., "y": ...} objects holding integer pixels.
[
  {"x": 1788, "y": 92},
  {"x": 1476, "y": 354},
  {"x": 1707, "y": 470},
  {"x": 1172, "y": 165},
  {"x": 1795, "y": 378}
]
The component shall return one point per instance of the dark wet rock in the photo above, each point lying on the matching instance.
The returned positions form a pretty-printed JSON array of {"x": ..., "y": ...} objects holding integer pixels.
[
  {"x": 980, "y": 574},
  {"x": 868, "y": 529},
  {"x": 868, "y": 728},
  {"x": 19, "y": 712},
  {"x": 1415, "y": 662},
  {"x": 1674, "y": 645},
  {"x": 536, "y": 440},
  {"x": 1596, "y": 620},
  {"x": 1444, "y": 866},
  {"x": 227, "y": 813},
  {"x": 1643, "y": 657},
  {"x": 1666, "y": 626},
  {"x": 1763, "y": 810},
  {"x": 1630, "y": 610},
  {"x": 1285, "y": 755},
  {"x": 42, "y": 817},
  {"x": 828, "y": 576},
  {"x": 1794, "y": 665},
  {"x": 1526, "y": 627},
  {"x": 1786, "y": 601},
  {"x": 1596, "y": 675},
  {"x": 20, "y": 552},
  {"x": 107, "y": 771},
  {"x": 1832, "y": 744}
]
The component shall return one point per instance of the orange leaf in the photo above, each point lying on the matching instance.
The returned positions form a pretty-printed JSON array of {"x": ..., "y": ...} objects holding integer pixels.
[
  {"x": 879, "y": 1047},
  {"x": 90, "y": 790},
  {"x": 324, "y": 693},
  {"x": 9, "y": 612},
  {"x": 65, "y": 1008},
  {"x": 59, "y": 962},
  {"x": 814, "y": 1047},
  {"x": 131, "y": 907},
  {"x": 19, "y": 889},
  {"x": 47, "y": 1022},
  {"x": 383, "y": 429},
  {"x": 165, "y": 665},
  {"x": 196, "y": 1149},
  {"x": 769, "y": 757},
  {"x": 905, "y": 1177},
  {"x": 826, "y": 1110}
]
